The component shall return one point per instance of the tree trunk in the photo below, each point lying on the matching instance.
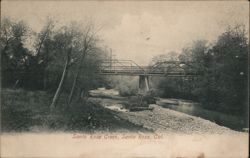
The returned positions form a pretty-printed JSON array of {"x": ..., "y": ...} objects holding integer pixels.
[
  {"x": 75, "y": 80},
  {"x": 16, "y": 83},
  {"x": 52, "y": 106},
  {"x": 73, "y": 88}
]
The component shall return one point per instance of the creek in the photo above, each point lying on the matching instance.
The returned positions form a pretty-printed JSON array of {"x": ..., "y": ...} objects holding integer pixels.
[{"x": 110, "y": 98}]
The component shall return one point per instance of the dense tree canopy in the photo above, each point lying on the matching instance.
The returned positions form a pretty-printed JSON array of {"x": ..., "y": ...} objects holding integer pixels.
[
  {"x": 222, "y": 83},
  {"x": 39, "y": 65}
]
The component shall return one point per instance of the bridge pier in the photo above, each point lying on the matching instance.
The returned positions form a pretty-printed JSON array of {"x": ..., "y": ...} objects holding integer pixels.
[{"x": 143, "y": 83}]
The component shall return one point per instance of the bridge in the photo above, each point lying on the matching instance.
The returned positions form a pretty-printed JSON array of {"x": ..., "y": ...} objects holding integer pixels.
[{"x": 130, "y": 68}]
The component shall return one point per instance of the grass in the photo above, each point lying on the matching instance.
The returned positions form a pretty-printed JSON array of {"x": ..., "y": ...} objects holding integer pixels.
[{"x": 24, "y": 111}]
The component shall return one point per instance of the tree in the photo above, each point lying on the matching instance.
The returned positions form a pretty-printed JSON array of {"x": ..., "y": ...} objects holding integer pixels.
[
  {"x": 43, "y": 47},
  {"x": 170, "y": 56},
  {"x": 81, "y": 42},
  {"x": 13, "y": 52},
  {"x": 6, "y": 34},
  {"x": 64, "y": 45},
  {"x": 230, "y": 55},
  {"x": 222, "y": 84},
  {"x": 52, "y": 106},
  {"x": 200, "y": 60},
  {"x": 88, "y": 45}
]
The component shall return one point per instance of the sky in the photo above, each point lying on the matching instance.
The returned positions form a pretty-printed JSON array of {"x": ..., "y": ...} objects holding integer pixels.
[{"x": 138, "y": 30}]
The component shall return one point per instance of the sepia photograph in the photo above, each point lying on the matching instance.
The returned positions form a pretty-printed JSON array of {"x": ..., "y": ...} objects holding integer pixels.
[{"x": 94, "y": 79}]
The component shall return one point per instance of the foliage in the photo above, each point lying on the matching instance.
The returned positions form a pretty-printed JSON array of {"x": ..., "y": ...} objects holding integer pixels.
[
  {"x": 24, "y": 110},
  {"x": 39, "y": 65},
  {"x": 222, "y": 83},
  {"x": 14, "y": 56}
]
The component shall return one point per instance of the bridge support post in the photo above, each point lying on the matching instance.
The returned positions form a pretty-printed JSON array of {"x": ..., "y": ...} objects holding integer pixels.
[{"x": 143, "y": 84}]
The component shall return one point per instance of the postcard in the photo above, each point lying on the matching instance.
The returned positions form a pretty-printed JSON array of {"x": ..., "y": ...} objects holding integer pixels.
[{"x": 90, "y": 79}]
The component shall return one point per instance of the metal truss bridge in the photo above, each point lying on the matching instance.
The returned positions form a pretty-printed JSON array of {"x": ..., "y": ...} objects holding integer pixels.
[{"x": 130, "y": 68}]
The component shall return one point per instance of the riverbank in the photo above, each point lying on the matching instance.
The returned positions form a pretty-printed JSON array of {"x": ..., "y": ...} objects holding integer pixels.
[
  {"x": 161, "y": 119},
  {"x": 112, "y": 100},
  {"x": 26, "y": 111}
]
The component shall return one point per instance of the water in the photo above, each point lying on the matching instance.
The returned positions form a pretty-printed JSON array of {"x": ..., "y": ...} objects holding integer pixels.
[{"x": 113, "y": 101}]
